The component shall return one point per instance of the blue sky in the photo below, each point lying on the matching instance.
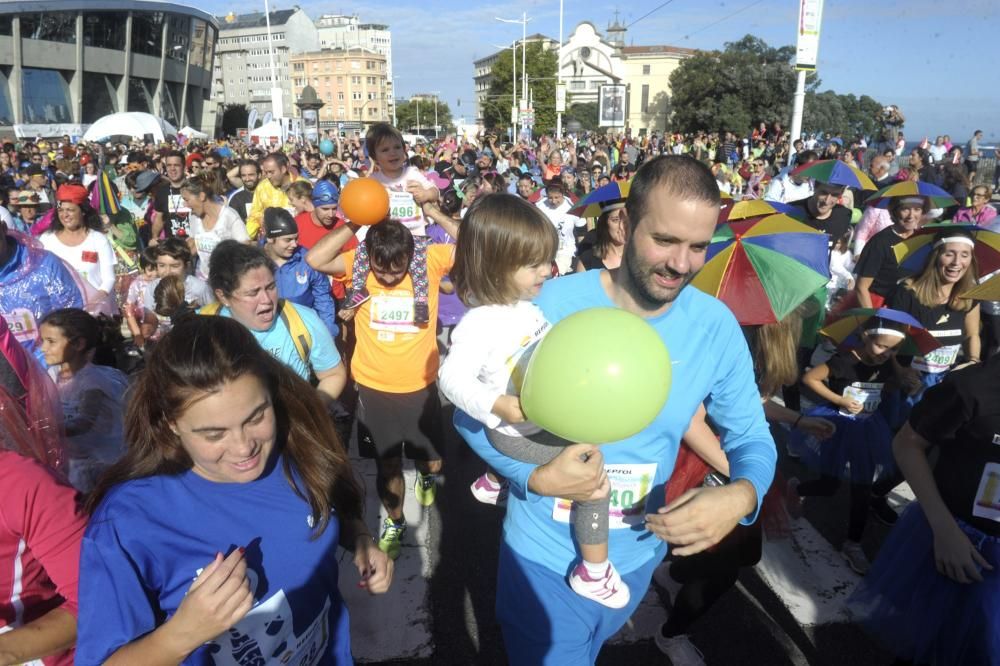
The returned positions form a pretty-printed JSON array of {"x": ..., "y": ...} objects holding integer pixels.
[{"x": 936, "y": 59}]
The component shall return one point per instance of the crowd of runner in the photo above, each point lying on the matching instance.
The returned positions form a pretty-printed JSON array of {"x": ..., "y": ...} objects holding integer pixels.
[{"x": 194, "y": 335}]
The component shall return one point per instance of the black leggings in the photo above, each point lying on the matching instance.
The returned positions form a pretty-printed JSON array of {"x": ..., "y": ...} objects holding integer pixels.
[
  {"x": 826, "y": 486},
  {"x": 708, "y": 575}
]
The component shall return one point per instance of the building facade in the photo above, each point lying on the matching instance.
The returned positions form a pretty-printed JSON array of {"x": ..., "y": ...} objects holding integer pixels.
[
  {"x": 242, "y": 73},
  {"x": 483, "y": 69},
  {"x": 647, "y": 79},
  {"x": 353, "y": 83},
  {"x": 341, "y": 31},
  {"x": 66, "y": 63}
]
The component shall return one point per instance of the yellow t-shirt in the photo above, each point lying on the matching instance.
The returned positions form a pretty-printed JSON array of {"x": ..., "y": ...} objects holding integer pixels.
[{"x": 393, "y": 354}]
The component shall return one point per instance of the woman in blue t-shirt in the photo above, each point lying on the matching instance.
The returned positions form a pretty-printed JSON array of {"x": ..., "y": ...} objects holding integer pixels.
[{"x": 213, "y": 541}]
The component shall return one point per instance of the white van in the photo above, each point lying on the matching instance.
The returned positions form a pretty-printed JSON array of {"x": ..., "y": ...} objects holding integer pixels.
[{"x": 414, "y": 139}]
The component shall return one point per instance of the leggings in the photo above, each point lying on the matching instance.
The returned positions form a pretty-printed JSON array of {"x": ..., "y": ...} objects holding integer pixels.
[
  {"x": 861, "y": 496},
  {"x": 590, "y": 520}
]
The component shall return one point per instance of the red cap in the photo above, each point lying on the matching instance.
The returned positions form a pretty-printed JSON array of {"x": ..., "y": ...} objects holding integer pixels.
[{"x": 73, "y": 193}]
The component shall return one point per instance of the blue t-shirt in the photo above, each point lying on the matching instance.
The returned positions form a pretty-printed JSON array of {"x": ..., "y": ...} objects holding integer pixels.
[
  {"x": 710, "y": 363},
  {"x": 277, "y": 341},
  {"x": 150, "y": 538}
]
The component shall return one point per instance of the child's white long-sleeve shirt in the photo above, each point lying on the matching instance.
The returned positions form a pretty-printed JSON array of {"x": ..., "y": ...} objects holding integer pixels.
[{"x": 489, "y": 353}]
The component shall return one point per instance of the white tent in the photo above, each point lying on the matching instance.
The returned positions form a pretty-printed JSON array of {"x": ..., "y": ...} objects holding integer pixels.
[
  {"x": 133, "y": 124},
  {"x": 271, "y": 130},
  {"x": 192, "y": 133}
]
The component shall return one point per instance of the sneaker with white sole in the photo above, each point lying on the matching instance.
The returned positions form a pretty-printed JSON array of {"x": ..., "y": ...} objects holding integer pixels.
[
  {"x": 680, "y": 650},
  {"x": 608, "y": 590},
  {"x": 390, "y": 541},
  {"x": 425, "y": 489},
  {"x": 486, "y": 490},
  {"x": 855, "y": 556}
]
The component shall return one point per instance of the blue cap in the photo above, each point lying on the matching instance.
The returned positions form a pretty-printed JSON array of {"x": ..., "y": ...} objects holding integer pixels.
[{"x": 325, "y": 194}]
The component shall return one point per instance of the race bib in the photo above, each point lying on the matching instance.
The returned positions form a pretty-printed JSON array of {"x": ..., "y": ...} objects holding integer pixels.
[
  {"x": 987, "y": 503},
  {"x": 22, "y": 324},
  {"x": 206, "y": 243},
  {"x": 402, "y": 206},
  {"x": 392, "y": 314},
  {"x": 869, "y": 394},
  {"x": 630, "y": 486},
  {"x": 937, "y": 361}
]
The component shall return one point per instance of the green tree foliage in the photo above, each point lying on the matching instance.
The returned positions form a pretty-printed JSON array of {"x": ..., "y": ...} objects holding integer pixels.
[
  {"x": 749, "y": 82},
  {"x": 584, "y": 113},
  {"x": 541, "y": 65},
  {"x": 844, "y": 115},
  {"x": 406, "y": 116},
  {"x": 234, "y": 116}
]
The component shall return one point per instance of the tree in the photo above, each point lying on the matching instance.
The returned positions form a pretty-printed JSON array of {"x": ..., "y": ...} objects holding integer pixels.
[
  {"x": 730, "y": 90},
  {"x": 584, "y": 113},
  {"x": 406, "y": 116},
  {"x": 842, "y": 115},
  {"x": 541, "y": 64},
  {"x": 234, "y": 116}
]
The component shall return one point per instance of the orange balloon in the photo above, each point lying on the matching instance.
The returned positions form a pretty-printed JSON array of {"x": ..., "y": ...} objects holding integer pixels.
[{"x": 365, "y": 201}]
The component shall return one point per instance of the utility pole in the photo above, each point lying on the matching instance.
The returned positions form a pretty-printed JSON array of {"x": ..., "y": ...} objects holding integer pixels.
[{"x": 559, "y": 83}]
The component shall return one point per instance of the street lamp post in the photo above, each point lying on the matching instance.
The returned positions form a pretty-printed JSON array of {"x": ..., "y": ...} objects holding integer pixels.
[
  {"x": 435, "y": 93},
  {"x": 524, "y": 50}
]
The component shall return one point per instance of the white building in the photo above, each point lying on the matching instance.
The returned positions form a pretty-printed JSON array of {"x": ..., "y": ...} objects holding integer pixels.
[
  {"x": 243, "y": 61},
  {"x": 343, "y": 31}
]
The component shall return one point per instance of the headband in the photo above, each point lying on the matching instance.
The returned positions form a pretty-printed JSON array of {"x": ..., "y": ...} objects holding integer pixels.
[
  {"x": 911, "y": 200},
  {"x": 955, "y": 239},
  {"x": 612, "y": 206},
  {"x": 886, "y": 331}
]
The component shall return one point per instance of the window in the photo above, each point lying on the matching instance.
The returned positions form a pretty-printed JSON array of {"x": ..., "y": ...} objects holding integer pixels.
[
  {"x": 45, "y": 95},
  {"x": 340, "y": 96},
  {"x": 6, "y": 28},
  {"x": 147, "y": 33},
  {"x": 340, "y": 80},
  {"x": 355, "y": 64},
  {"x": 299, "y": 66},
  {"x": 52, "y": 27},
  {"x": 198, "y": 55},
  {"x": 645, "y": 69},
  {"x": 644, "y": 105},
  {"x": 179, "y": 34},
  {"x": 356, "y": 80},
  {"x": 101, "y": 98},
  {"x": 596, "y": 85},
  {"x": 356, "y": 95},
  {"x": 6, "y": 108},
  {"x": 104, "y": 29},
  {"x": 577, "y": 85}
]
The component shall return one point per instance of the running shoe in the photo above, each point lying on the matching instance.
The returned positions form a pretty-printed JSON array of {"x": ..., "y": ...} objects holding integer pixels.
[
  {"x": 390, "y": 541},
  {"x": 425, "y": 489},
  {"x": 608, "y": 590},
  {"x": 883, "y": 512},
  {"x": 855, "y": 556},
  {"x": 680, "y": 650},
  {"x": 486, "y": 491}
]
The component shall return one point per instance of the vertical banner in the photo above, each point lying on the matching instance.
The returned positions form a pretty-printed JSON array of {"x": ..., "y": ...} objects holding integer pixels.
[
  {"x": 807, "y": 47},
  {"x": 611, "y": 106},
  {"x": 561, "y": 98},
  {"x": 310, "y": 125}
]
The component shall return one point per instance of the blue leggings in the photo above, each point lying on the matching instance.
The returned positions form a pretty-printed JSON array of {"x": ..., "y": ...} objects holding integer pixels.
[{"x": 545, "y": 622}]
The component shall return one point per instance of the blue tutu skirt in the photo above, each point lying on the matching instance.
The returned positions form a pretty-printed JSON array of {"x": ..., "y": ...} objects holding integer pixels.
[
  {"x": 859, "y": 452},
  {"x": 921, "y": 615}
]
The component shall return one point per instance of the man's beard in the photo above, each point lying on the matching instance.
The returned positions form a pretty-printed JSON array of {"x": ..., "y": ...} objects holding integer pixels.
[{"x": 641, "y": 276}]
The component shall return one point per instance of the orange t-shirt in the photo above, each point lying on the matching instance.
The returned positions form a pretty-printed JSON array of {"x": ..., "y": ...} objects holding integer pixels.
[{"x": 393, "y": 354}]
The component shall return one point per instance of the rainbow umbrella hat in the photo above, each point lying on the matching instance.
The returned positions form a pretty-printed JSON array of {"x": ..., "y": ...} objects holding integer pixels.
[
  {"x": 989, "y": 290},
  {"x": 764, "y": 268},
  {"x": 912, "y": 253},
  {"x": 908, "y": 188},
  {"x": 591, "y": 205},
  {"x": 846, "y": 330},
  {"x": 835, "y": 172},
  {"x": 745, "y": 210}
]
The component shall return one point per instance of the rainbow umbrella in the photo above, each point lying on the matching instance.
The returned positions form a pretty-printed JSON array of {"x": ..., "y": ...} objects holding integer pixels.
[
  {"x": 744, "y": 210},
  {"x": 763, "y": 268},
  {"x": 591, "y": 205},
  {"x": 102, "y": 196},
  {"x": 912, "y": 253},
  {"x": 845, "y": 331},
  {"x": 908, "y": 188},
  {"x": 987, "y": 291},
  {"x": 835, "y": 172}
]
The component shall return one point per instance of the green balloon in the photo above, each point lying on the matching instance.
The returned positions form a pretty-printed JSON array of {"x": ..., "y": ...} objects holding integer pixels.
[{"x": 600, "y": 375}]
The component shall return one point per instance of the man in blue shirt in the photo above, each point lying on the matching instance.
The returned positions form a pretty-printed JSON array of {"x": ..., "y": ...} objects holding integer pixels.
[
  {"x": 672, "y": 209},
  {"x": 297, "y": 281}
]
